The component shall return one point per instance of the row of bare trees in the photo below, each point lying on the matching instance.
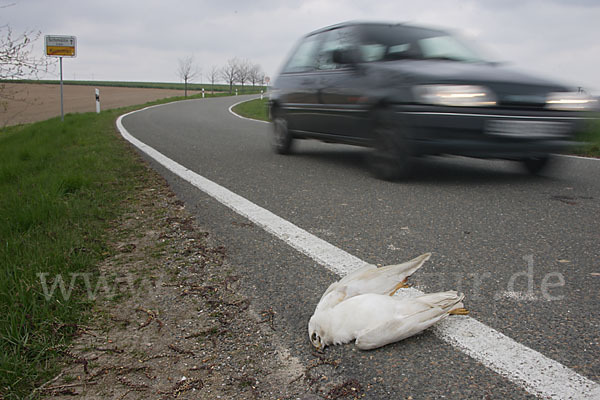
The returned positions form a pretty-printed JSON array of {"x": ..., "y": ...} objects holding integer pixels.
[
  {"x": 235, "y": 71},
  {"x": 17, "y": 60},
  {"x": 242, "y": 72}
]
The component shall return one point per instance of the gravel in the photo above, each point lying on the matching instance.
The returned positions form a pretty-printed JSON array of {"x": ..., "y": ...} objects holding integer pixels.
[{"x": 170, "y": 320}]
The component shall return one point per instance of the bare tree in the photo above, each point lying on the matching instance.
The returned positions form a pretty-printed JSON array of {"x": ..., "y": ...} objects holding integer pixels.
[
  {"x": 243, "y": 74},
  {"x": 187, "y": 71},
  {"x": 213, "y": 75},
  {"x": 17, "y": 60},
  {"x": 256, "y": 74},
  {"x": 229, "y": 72}
]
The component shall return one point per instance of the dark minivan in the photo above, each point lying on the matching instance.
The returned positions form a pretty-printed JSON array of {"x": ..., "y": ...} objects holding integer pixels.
[{"x": 410, "y": 91}]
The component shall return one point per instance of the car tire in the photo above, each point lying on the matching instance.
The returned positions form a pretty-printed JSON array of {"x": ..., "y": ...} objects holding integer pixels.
[
  {"x": 390, "y": 158},
  {"x": 281, "y": 138},
  {"x": 535, "y": 165}
]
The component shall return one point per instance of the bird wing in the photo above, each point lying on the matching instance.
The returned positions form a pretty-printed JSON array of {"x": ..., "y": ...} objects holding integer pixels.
[
  {"x": 411, "y": 316},
  {"x": 398, "y": 328},
  {"x": 370, "y": 279},
  {"x": 383, "y": 280}
]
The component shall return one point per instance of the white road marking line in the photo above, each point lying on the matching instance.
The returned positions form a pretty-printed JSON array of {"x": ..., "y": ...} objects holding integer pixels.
[
  {"x": 527, "y": 368},
  {"x": 321, "y": 251},
  {"x": 247, "y": 119},
  {"x": 576, "y": 157}
]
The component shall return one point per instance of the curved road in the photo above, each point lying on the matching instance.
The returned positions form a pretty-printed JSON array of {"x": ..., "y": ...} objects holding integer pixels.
[{"x": 524, "y": 250}]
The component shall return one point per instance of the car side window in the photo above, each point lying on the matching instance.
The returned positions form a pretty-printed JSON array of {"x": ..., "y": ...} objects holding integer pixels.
[
  {"x": 372, "y": 51},
  {"x": 336, "y": 39},
  {"x": 382, "y": 43},
  {"x": 377, "y": 52},
  {"x": 304, "y": 57}
]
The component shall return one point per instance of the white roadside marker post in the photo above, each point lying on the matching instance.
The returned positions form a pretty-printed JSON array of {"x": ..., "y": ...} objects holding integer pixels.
[
  {"x": 97, "y": 101},
  {"x": 202, "y": 92}
]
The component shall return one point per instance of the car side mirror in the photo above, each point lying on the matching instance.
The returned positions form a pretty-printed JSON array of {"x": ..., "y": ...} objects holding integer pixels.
[{"x": 344, "y": 56}]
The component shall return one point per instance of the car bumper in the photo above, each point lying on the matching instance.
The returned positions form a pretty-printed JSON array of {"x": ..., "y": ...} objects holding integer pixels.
[{"x": 488, "y": 133}]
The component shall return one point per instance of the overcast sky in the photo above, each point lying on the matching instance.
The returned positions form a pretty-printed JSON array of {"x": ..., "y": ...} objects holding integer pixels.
[{"x": 129, "y": 40}]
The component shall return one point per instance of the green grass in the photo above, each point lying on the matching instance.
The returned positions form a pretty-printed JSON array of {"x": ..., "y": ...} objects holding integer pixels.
[
  {"x": 256, "y": 109},
  {"x": 62, "y": 185},
  {"x": 247, "y": 89},
  {"x": 590, "y": 139}
]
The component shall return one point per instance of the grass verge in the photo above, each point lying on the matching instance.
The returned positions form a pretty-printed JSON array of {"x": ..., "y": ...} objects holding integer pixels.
[
  {"x": 590, "y": 140},
  {"x": 62, "y": 185},
  {"x": 255, "y": 109}
]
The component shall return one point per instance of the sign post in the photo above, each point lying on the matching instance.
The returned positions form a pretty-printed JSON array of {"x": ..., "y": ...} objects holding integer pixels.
[{"x": 61, "y": 46}]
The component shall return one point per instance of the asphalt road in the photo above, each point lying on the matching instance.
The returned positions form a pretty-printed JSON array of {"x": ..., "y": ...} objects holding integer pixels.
[{"x": 525, "y": 250}]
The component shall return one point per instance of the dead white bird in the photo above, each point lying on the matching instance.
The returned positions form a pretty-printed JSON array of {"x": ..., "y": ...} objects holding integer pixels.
[
  {"x": 384, "y": 280},
  {"x": 375, "y": 320}
]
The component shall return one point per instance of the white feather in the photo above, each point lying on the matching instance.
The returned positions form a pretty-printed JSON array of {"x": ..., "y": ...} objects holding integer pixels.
[
  {"x": 370, "y": 279},
  {"x": 375, "y": 320}
]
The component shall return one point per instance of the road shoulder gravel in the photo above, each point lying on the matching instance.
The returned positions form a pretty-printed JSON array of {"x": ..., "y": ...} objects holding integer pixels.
[{"x": 171, "y": 320}]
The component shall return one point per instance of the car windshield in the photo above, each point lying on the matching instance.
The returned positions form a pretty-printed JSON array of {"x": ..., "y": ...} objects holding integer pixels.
[{"x": 395, "y": 42}]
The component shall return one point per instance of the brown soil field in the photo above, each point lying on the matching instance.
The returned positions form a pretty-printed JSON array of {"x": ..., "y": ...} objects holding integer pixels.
[{"x": 24, "y": 103}]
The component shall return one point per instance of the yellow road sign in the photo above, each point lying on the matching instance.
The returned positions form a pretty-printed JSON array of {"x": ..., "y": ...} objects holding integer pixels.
[
  {"x": 61, "y": 46},
  {"x": 60, "y": 51}
]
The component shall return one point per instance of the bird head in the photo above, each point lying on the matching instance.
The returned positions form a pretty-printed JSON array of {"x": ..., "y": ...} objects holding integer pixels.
[{"x": 315, "y": 335}]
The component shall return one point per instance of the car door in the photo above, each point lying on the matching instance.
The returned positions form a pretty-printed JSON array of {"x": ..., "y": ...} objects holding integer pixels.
[
  {"x": 341, "y": 89},
  {"x": 297, "y": 89}
]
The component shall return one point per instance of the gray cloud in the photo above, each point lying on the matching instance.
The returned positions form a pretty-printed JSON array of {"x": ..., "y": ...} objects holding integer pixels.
[{"x": 142, "y": 40}]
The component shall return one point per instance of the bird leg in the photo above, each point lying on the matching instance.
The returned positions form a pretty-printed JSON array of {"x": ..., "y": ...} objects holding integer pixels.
[
  {"x": 459, "y": 311},
  {"x": 399, "y": 286}
]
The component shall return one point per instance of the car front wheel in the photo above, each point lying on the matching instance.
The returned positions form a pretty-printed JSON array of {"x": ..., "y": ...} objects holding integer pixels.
[
  {"x": 281, "y": 139},
  {"x": 390, "y": 158}
]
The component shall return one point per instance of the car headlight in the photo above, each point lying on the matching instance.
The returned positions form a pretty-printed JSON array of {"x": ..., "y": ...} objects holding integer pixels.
[
  {"x": 570, "y": 101},
  {"x": 455, "y": 95}
]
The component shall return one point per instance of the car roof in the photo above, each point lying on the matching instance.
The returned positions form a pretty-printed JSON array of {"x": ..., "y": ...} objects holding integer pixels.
[{"x": 368, "y": 23}]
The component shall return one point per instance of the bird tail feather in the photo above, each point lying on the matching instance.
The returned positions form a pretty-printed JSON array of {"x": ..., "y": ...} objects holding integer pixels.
[
  {"x": 445, "y": 300},
  {"x": 410, "y": 267}
]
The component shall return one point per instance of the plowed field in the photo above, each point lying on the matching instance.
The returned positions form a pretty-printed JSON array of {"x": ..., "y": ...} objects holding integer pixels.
[{"x": 24, "y": 103}]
